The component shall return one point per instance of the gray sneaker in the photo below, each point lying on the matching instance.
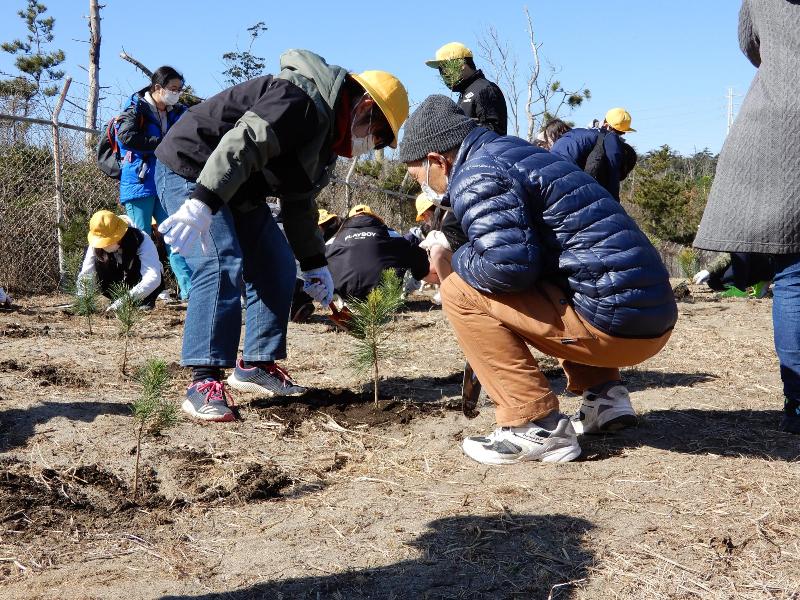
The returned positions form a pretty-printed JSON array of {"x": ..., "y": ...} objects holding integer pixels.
[
  {"x": 271, "y": 380},
  {"x": 605, "y": 410},
  {"x": 208, "y": 401},
  {"x": 509, "y": 445}
]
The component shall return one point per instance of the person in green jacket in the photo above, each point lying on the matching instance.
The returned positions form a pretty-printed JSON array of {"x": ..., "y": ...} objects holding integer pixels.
[{"x": 275, "y": 135}]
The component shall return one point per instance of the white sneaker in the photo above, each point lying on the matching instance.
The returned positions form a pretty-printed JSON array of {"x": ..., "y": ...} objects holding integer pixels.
[
  {"x": 605, "y": 411},
  {"x": 509, "y": 445},
  {"x": 165, "y": 296}
]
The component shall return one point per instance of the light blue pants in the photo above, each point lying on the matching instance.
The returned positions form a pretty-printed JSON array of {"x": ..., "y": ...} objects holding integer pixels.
[{"x": 141, "y": 211}]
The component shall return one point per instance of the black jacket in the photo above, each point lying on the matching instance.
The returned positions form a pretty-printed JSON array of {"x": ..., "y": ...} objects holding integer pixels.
[
  {"x": 128, "y": 271},
  {"x": 482, "y": 100},
  {"x": 363, "y": 249}
]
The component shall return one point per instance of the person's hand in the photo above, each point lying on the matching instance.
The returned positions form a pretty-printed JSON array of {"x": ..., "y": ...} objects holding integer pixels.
[
  {"x": 114, "y": 306},
  {"x": 318, "y": 284},
  {"x": 701, "y": 277},
  {"x": 188, "y": 226}
]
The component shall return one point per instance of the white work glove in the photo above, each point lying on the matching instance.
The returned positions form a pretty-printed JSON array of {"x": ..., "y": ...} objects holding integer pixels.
[
  {"x": 188, "y": 226},
  {"x": 701, "y": 277},
  {"x": 114, "y": 306},
  {"x": 318, "y": 284},
  {"x": 435, "y": 238}
]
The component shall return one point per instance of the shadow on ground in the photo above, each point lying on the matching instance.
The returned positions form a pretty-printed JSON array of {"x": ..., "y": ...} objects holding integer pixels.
[
  {"x": 734, "y": 433},
  {"x": 506, "y": 557},
  {"x": 17, "y": 425}
]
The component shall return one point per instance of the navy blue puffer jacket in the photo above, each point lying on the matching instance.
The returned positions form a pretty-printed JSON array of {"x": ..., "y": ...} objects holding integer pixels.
[{"x": 531, "y": 215}]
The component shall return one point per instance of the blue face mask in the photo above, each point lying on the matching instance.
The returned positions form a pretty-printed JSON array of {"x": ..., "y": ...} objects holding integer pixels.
[{"x": 435, "y": 197}]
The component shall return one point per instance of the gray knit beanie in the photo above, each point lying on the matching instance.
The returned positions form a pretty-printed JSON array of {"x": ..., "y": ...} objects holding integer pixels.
[{"x": 437, "y": 125}]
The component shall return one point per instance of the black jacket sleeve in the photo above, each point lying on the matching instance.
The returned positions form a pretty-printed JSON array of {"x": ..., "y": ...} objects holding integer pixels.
[
  {"x": 131, "y": 136},
  {"x": 490, "y": 110},
  {"x": 417, "y": 260}
]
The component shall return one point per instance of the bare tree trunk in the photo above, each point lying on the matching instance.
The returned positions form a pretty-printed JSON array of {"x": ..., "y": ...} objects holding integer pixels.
[
  {"x": 534, "y": 77},
  {"x": 59, "y": 197},
  {"x": 94, "y": 72},
  {"x": 125, "y": 56}
]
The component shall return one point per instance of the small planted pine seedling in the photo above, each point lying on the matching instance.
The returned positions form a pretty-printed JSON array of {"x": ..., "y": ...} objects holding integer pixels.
[
  {"x": 85, "y": 299},
  {"x": 129, "y": 313},
  {"x": 369, "y": 325},
  {"x": 151, "y": 411},
  {"x": 689, "y": 262}
]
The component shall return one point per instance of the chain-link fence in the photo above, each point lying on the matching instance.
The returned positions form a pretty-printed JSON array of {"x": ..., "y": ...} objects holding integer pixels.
[{"x": 46, "y": 197}]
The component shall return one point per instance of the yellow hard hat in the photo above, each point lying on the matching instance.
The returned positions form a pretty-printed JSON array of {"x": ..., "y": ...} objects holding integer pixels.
[
  {"x": 105, "y": 229},
  {"x": 449, "y": 52},
  {"x": 423, "y": 203},
  {"x": 619, "y": 119},
  {"x": 324, "y": 216},
  {"x": 360, "y": 209},
  {"x": 390, "y": 96}
]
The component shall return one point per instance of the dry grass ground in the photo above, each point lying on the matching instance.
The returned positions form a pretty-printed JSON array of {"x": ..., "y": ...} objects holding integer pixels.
[{"x": 331, "y": 498}]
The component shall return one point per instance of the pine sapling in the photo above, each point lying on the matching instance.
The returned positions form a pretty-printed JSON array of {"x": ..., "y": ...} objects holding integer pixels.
[
  {"x": 85, "y": 299},
  {"x": 151, "y": 411},
  {"x": 369, "y": 325},
  {"x": 129, "y": 313}
]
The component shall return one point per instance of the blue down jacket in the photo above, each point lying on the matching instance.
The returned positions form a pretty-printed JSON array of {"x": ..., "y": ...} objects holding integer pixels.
[{"x": 530, "y": 215}]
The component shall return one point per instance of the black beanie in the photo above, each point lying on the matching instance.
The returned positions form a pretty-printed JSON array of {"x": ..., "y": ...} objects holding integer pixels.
[{"x": 437, "y": 125}]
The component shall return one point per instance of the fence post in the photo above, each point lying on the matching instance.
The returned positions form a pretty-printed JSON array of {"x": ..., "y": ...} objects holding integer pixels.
[
  {"x": 59, "y": 197},
  {"x": 347, "y": 189}
]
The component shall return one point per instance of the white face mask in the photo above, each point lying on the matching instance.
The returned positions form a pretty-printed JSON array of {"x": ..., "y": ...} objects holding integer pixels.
[
  {"x": 435, "y": 197},
  {"x": 363, "y": 145},
  {"x": 170, "y": 98}
]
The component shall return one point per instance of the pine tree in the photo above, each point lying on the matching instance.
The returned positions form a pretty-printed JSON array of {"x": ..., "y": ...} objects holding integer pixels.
[
  {"x": 85, "y": 299},
  {"x": 369, "y": 325},
  {"x": 33, "y": 59},
  {"x": 151, "y": 411},
  {"x": 129, "y": 313},
  {"x": 243, "y": 66}
]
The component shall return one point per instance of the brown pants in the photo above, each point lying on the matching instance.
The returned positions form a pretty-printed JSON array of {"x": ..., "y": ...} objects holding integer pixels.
[{"x": 493, "y": 330}]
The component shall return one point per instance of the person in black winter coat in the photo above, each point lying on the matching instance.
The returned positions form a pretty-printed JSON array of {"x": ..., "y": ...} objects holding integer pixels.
[
  {"x": 363, "y": 248},
  {"x": 479, "y": 98}
]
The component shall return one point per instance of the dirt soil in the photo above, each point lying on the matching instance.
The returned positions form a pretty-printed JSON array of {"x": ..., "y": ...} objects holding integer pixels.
[{"x": 332, "y": 497}]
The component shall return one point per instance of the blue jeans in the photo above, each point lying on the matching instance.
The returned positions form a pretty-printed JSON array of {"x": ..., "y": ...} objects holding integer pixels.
[
  {"x": 244, "y": 247},
  {"x": 786, "y": 321},
  {"x": 141, "y": 211}
]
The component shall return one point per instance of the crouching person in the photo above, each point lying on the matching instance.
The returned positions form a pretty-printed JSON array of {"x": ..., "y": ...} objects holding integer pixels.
[
  {"x": 119, "y": 253},
  {"x": 363, "y": 248},
  {"x": 551, "y": 261}
]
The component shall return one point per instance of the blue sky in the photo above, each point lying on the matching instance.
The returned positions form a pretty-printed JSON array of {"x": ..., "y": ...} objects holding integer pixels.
[{"x": 669, "y": 63}]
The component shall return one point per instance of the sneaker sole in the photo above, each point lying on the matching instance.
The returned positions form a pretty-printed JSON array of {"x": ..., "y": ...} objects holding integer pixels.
[
  {"x": 559, "y": 455},
  {"x": 189, "y": 410},
  {"x": 249, "y": 386}
]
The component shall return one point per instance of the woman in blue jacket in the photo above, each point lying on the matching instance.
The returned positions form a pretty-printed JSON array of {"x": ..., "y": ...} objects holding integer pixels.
[{"x": 140, "y": 128}]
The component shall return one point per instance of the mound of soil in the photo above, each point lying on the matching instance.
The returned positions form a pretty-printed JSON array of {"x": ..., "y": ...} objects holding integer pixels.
[
  {"x": 346, "y": 407},
  {"x": 53, "y": 375},
  {"x": 204, "y": 479}
]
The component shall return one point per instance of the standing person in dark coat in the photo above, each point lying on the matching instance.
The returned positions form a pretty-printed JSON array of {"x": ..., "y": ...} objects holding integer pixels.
[
  {"x": 753, "y": 203},
  {"x": 600, "y": 152},
  {"x": 551, "y": 261},
  {"x": 479, "y": 98}
]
